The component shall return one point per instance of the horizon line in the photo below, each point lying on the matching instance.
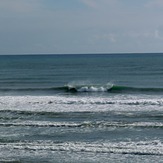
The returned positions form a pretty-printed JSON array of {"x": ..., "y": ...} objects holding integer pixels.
[{"x": 123, "y": 53}]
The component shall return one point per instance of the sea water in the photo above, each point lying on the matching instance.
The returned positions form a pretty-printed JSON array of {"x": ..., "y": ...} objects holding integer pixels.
[{"x": 81, "y": 108}]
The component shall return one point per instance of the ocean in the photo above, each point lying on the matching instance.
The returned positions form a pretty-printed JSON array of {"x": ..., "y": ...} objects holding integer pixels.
[{"x": 81, "y": 108}]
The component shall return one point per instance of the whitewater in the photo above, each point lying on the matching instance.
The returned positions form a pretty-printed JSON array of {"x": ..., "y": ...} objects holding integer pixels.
[{"x": 81, "y": 108}]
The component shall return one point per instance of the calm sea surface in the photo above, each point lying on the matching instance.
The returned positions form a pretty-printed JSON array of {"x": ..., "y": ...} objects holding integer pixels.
[{"x": 81, "y": 108}]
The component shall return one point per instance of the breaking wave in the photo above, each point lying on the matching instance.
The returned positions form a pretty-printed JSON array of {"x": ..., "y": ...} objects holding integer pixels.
[
  {"x": 82, "y": 125},
  {"x": 109, "y": 88},
  {"x": 60, "y": 103},
  {"x": 154, "y": 147},
  {"x": 78, "y": 88}
]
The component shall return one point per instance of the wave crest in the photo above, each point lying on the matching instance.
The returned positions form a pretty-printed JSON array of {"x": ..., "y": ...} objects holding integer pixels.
[
  {"x": 109, "y": 87},
  {"x": 89, "y": 87},
  {"x": 81, "y": 87}
]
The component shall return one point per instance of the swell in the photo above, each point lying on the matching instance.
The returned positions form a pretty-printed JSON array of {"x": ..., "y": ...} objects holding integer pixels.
[
  {"x": 117, "y": 88},
  {"x": 110, "y": 88}
]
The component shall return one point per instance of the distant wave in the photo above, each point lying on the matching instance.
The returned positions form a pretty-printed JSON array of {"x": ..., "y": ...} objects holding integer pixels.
[
  {"x": 117, "y": 88},
  {"x": 88, "y": 87},
  {"x": 111, "y": 88}
]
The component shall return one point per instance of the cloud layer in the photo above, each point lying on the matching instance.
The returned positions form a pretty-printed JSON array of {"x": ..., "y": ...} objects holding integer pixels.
[{"x": 80, "y": 26}]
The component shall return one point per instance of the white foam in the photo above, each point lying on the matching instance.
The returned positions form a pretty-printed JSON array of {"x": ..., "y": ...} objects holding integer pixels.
[
  {"x": 92, "y": 89},
  {"x": 88, "y": 87},
  {"x": 86, "y": 124},
  {"x": 154, "y": 147},
  {"x": 59, "y": 103}
]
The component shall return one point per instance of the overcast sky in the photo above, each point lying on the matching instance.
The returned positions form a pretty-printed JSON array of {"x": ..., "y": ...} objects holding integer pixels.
[{"x": 80, "y": 26}]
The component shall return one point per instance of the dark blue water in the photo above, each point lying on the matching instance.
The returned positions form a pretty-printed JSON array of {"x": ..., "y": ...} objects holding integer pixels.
[{"x": 81, "y": 108}]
